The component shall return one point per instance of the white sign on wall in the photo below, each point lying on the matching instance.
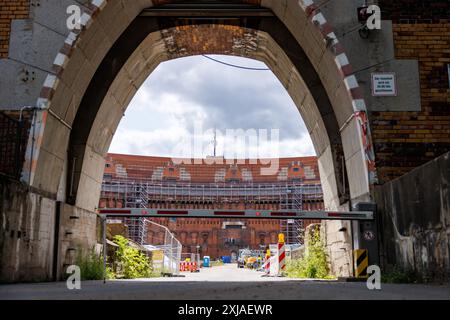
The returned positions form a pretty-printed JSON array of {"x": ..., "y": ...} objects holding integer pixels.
[{"x": 384, "y": 84}]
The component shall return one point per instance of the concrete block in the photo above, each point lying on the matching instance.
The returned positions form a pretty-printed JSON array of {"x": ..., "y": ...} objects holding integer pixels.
[
  {"x": 319, "y": 137},
  {"x": 114, "y": 12},
  {"x": 313, "y": 45},
  {"x": 342, "y": 104},
  {"x": 34, "y": 44},
  {"x": 95, "y": 44},
  {"x": 94, "y": 165},
  {"x": 71, "y": 71},
  {"x": 341, "y": 14},
  {"x": 364, "y": 53},
  {"x": 83, "y": 77},
  {"x": 73, "y": 103},
  {"x": 295, "y": 19},
  {"x": 20, "y": 84},
  {"x": 88, "y": 193},
  {"x": 122, "y": 86},
  {"x": 329, "y": 73},
  {"x": 46, "y": 163},
  {"x": 56, "y": 137},
  {"x": 61, "y": 101},
  {"x": 328, "y": 179},
  {"x": 408, "y": 87},
  {"x": 357, "y": 175},
  {"x": 298, "y": 91},
  {"x": 52, "y": 14},
  {"x": 351, "y": 138},
  {"x": 105, "y": 124}
]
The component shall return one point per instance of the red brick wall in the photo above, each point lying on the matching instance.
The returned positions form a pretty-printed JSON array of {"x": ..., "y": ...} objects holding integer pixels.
[
  {"x": 208, "y": 233},
  {"x": 9, "y": 10}
]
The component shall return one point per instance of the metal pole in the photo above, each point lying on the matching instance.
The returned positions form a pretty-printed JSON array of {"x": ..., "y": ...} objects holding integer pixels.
[
  {"x": 350, "y": 206},
  {"x": 171, "y": 254},
  {"x": 104, "y": 248}
]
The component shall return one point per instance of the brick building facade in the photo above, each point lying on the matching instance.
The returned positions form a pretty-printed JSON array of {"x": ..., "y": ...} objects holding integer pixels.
[
  {"x": 224, "y": 186},
  {"x": 406, "y": 140}
]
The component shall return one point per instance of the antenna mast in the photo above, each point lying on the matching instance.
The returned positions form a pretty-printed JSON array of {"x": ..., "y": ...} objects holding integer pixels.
[{"x": 215, "y": 141}]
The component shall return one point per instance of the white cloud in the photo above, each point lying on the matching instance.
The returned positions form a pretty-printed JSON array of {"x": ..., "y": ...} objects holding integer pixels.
[{"x": 189, "y": 92}]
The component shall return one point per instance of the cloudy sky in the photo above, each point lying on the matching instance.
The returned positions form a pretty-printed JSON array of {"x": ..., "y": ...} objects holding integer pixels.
[{"x": 177, "y": 109}]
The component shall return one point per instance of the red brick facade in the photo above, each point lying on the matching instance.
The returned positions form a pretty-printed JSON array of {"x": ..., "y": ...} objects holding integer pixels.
[{"x": 215, "y": 237}]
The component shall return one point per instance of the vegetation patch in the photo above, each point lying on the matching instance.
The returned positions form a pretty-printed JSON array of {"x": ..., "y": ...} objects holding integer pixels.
[
  {"x": 91, "y": 265},
  {"x": 135, "y": 264},
  {"x": 314, "y": 264},
  {"x": 401, "y": 275}
]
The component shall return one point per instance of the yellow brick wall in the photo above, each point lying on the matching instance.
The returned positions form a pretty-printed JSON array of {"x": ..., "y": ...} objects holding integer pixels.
[
  {"x": 405, "y": 140},
  {"x": 9, "y": 10}
]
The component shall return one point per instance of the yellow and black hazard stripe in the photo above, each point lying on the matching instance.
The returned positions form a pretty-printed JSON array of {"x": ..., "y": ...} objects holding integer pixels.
[{"x": 361, "y": 263}]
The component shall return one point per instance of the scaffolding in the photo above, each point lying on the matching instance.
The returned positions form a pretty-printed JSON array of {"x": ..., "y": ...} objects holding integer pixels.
[
  {"x": 135, "y": 193},
  {"x": 293, "y": 229},
  {"x": 137, "y": 227}
]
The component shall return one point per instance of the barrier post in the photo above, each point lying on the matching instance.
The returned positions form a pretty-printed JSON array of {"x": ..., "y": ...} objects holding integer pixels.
[
  {"x": 267, "y": 262},
  {"x": 281, "y": 254},
  {"x": 361, "y": 263}
]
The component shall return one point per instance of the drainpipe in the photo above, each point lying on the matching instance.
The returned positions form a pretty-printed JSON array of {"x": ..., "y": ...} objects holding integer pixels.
[
  {"x": 56, "y": 241},
  {"x": 350, "y": 206}
]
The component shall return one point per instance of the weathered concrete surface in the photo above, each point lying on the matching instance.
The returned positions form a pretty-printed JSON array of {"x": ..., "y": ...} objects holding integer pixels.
[
  {"x": 27, "y": 232},
  {"x": 415, "y": 219},
  {"x": 227, "y": 282},
  {"x": 339, "y": 247},
  {"x": 79, "y": 234},
  {"x": 28, "y": 229}
]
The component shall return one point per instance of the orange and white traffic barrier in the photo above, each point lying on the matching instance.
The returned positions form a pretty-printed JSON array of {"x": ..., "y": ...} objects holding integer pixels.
[
  {"x": 193, "y": 267},
  {"x": 185, "y": 266},
  {"x": 281, "y": 254},
  {"x": 189, "y": 266}
]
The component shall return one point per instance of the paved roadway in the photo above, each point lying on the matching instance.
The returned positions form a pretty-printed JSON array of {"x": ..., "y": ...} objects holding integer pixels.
[{"x": 226, "y": 282}]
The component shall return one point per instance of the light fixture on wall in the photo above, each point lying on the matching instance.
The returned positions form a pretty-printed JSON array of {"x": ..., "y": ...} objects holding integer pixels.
[
  {"x": 363, "y": 16},
  {"x": 369, "y": 15},
  {"x": 364, "y": 32}
]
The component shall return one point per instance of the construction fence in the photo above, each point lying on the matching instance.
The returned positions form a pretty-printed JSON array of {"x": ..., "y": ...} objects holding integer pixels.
[{"x": 159, "y": 238}]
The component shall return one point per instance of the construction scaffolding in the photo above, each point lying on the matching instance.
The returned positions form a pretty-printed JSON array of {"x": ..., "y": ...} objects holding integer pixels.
[
  {"x": 293, "y": 230},
  {"x": 134, "y": 193}
]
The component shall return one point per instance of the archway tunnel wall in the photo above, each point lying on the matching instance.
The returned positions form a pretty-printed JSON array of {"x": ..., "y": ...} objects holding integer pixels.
[
  {"x": 310, "y": 86},
  {"x": 67, "y": 78},
  {"x": 320, "y": 82},
  {"x": 254, "y": 44},
  {"x": 73, "y": 80}
]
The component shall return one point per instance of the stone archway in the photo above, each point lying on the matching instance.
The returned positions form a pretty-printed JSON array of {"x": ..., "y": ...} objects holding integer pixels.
[{"x": 297, "y": 43}]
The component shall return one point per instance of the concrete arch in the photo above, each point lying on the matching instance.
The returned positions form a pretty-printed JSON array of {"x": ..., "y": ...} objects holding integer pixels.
[{"x": 327, "y": 94}]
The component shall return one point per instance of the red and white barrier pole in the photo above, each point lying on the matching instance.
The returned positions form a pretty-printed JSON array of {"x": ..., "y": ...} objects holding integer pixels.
[
  {"x": 267, "y": 262},
  {"x": 281, "y": 254}
]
